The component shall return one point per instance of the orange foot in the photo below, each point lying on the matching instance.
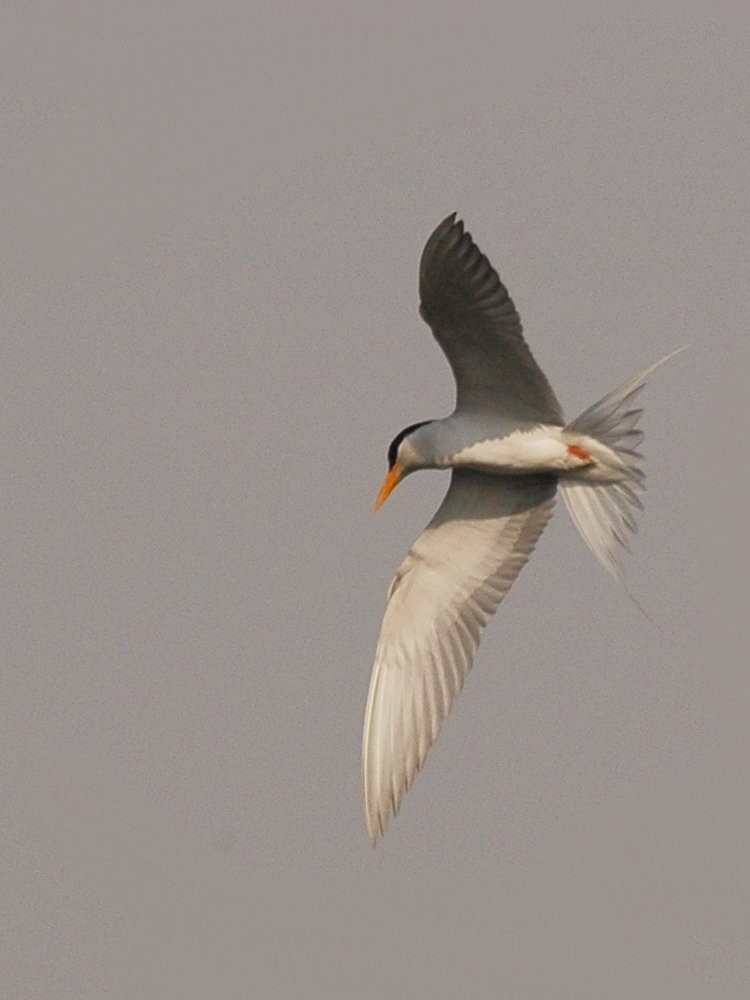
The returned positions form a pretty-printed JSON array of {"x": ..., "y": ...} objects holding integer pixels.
[{"x": 579, "y": 452}]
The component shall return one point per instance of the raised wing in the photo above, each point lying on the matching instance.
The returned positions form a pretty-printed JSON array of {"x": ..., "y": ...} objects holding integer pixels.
[
  {"x": 476, "y": 324},
  {"x": 451, "y": 582}
]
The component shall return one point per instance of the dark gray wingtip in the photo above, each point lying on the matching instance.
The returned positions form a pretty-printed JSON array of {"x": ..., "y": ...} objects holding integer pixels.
[{"x": 441, "y": 231}]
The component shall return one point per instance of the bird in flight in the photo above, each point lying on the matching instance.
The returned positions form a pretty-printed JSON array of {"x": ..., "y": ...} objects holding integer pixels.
[{"x": 509, "y": 450}]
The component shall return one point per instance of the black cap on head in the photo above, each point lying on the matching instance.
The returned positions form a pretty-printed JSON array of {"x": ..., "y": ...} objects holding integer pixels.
[{"x": 393, "y": 447}]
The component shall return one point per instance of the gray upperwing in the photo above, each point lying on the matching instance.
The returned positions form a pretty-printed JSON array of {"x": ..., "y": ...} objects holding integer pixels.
[{"x": 476, "y": 324}]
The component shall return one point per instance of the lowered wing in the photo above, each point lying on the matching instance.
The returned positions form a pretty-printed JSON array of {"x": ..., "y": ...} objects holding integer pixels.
[{"x": 451, "y": 582}]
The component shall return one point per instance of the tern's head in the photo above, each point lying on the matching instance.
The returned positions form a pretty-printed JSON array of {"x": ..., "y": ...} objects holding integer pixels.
[{"x": 403, "y": 458}]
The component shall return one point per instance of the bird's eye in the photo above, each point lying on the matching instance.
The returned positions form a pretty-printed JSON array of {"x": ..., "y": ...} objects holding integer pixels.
[{"x": 393, "y": 450}]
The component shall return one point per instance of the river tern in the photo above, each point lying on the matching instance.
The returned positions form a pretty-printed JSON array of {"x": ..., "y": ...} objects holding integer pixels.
[{"x": 509, "y": 449}]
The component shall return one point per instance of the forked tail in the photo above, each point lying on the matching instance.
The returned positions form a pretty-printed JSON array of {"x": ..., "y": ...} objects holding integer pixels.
[{"x": 604, "y": 513}]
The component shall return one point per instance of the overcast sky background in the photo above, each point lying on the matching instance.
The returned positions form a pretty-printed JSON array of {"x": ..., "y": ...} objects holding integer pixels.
[{"x": 212, "y": 216}]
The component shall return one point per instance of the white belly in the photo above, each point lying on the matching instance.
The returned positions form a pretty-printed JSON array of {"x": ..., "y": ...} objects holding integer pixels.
[{"x": 541, "y": 449}]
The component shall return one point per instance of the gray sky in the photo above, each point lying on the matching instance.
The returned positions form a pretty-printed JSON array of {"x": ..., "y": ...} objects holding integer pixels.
[{"x": 212, "y": 219}]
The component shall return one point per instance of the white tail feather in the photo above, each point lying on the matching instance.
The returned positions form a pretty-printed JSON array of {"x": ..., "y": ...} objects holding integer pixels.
[{"x": 604, "y": 513}]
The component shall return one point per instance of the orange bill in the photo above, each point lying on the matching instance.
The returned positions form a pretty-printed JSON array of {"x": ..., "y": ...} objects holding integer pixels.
[{"x": 394, "y": 477}]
